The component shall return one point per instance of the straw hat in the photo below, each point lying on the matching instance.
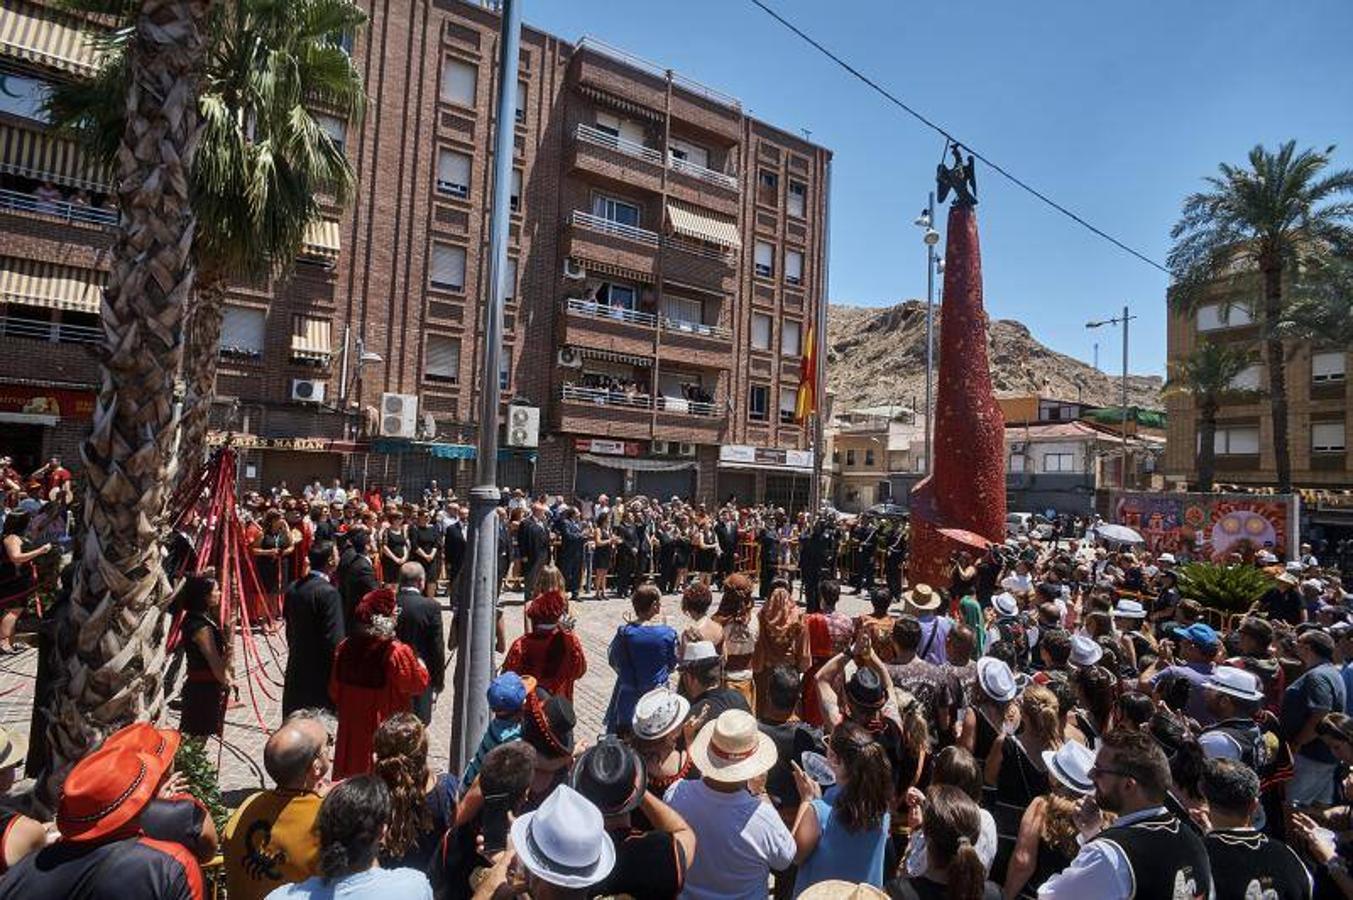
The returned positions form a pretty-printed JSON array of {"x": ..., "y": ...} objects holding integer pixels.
[
  {"x": 732, "y": 748},
  {"x": 922, "y": 598},
  {"x": 842, "y": 890}
]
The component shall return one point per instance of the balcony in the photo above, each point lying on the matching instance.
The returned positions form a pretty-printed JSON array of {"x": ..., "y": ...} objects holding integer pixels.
[
  {"x": 605, "y": 413},
  {"x": 687, "y": 407},
  {"x": 589, "y": 134},
  {"x": 707, "y": 346},
  {"x": 613, "y": 243},
  {"x": 588, "y": 323},
  {"x": 60, "y": 210},
  {"x": 700, "y": 173},
  {"x": 55, "y": 332},
  {"x": 718, "y": 332},
  {"x": 689, "y": 421}
]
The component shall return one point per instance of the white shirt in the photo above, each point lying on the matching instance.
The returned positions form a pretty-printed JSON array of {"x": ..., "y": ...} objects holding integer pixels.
[{"x": 741, "y": 839}]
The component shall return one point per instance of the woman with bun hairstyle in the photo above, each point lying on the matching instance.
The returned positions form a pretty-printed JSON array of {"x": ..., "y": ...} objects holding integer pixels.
[
  {"x": 951, "y": 825},
  {"x": 422, "y": 805}
]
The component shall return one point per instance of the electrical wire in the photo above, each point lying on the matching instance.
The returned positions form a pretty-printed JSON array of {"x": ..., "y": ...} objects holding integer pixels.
[{"x": 936, "y": 127}]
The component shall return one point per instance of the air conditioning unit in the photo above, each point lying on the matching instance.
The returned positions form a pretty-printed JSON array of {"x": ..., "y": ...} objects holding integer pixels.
[
  {"x": 685, "y": 450},
  {"x": 399, "y": 415},
  {"x": 523, "y": 426},
  {"x": 572, "y": 270},
  {"x": 659, "y": 448},
  {"x": 569, "y": 357},
  {"x": 307, "y": 390}
]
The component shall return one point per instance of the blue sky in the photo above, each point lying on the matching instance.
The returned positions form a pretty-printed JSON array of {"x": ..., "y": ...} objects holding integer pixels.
[{"x": 1116, "y": 110}]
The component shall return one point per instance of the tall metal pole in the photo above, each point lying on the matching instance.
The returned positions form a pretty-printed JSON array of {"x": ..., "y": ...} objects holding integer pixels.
[
  {"x": 475, "y": 620},
  {"x": 819, "y": 354},
  {"x": 1122, "y": 472},
  {"x": 929, "y": 331}
]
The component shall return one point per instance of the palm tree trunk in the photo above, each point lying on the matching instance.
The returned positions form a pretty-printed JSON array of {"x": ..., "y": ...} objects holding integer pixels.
[
  {"x": 1207, "y": 449},
  {"x": 117, "y": 621},
  {"x": 202, "y": 337},
  {"x": 1277, "y": 374}
]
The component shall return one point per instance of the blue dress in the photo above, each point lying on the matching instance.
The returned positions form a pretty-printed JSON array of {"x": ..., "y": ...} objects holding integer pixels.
[
  {"x": 643, "y": 657},
  {"x": 856, "y": 857}
]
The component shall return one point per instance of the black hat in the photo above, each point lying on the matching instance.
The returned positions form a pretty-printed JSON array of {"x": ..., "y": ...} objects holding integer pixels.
[
  {"x": 611, "y": 774},
  {"x": 865, "y": 690},
  {"x": 548, "y": 723}
]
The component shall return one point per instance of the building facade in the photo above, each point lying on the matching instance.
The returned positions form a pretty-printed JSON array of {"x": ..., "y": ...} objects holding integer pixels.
[
  {"x": 866, "y": 447},
  {"x": 666, "y": 261}
]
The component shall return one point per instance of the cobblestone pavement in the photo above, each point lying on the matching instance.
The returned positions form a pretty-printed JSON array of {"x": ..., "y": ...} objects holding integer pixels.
[{"x": 241, "y": 753}]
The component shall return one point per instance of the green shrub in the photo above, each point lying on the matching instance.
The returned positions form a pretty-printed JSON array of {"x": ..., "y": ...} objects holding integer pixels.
[{"x": 1231, "y": 589}]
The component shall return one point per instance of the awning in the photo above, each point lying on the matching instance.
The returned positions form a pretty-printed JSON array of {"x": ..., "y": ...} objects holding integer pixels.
[
  {"x": 611, "y": 356},
  {"x": 310, "y": 338},
  {"x": 42, "y": 157},
  {"x": 45, "y": 36},
  {"x": 596, "y": 267},
  {"x": 637, "y": 465},
  {"x": 703, "y": 226},
  {"x": 35, "y": 283},
  {"x": 321, "y": 240},
  {"x": 605, "y": 98}
]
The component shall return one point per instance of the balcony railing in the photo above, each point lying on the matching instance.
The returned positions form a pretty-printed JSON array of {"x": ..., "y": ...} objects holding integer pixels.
[
  {"x": 657, "y": 71},
  {"x": 715, "y": 331},
  {"x": 618, "y": 229},
  {"x": 60, "y": 209},
  {"x": 590, "y": 135},
  {"x": 595, "y": 310},
  {"x": 713, "y": 177},
  {"x": 698, "y": 248},
  {"x": 606, "y": 397},
  {"x": 50, "y": 331},
  {"x": 687, "y": 407}
]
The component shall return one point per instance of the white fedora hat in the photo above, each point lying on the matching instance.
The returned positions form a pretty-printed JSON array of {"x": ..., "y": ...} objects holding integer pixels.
[
  {"x": 1085, "y": 652},
  {"x": 565, "y": 842},
  {"x": 1070, "y": 764},
  {"x": 694, "y": 653},
  {"x": 732, "y": 748},
  {"x": 1129, "y": 609},
  {"x": 1236, "y": 682},
  {"x": 658, "y": 713},
  {"x": 996, "y": 679},
  {"x": 1005, "y": 604}
]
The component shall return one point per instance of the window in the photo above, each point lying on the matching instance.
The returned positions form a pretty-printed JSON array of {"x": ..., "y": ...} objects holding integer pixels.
[
  {"x": 791, "y": 338},
  {"x": 613, "y": 210},
  {"x": 614, "y": 294},
  {"x": 24, "y": 96},
  {"x": 788, "y": 403},
  {"x": 1327, "y": 366},
  {"x": 505, "y": 369},
  {"x": 334, "y": 127},
  {"x": 1059, "y": 462},
  {"x": 1213, "y": 317},
  {"x": 765, "y": 260},
  {"x": 242, "y": 330},
  {"x": 441, "y": 358},
  {"x": 836, "y": 457},
  {"x": 459, "y": 80},
  {"x": 688, "y": 152},
  {"x": 767, "y": 187},
  {"x": 521, "y": 102},
  {"x": 793, "y": 267},
  {"x": 453, "y": 173},
  {"x": 1016, "y": 465},
  {"x": 448, "y": 267},
  {"x": 514, "y": 191},
  {"x": 511, "y": 279},
  {"x": 798, "y": 199},
  {"x": 868, "y": 456},
  {"x": 1247, "y": 379},
  {"x": 760, "y": 331},
  {"x": 758, "y": 403},
  {"x": 621, "y": 129},
  {"x": 1237, "y": 441},
  {"x": 850, "y": 456},
  {"x": 1328, "y": 437},
  {"x": 683, "y": 310}
]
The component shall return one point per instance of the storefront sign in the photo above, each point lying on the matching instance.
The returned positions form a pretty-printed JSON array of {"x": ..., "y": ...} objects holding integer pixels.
[
  {"x": 40, "y": 401},
  {"x": 744, "y": 455},
  {"x": 606, "y": 447},
  {"x": 304, "y": 445}
]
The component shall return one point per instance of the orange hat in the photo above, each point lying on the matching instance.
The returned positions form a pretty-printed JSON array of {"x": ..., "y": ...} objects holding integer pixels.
[
  {"x": 106, "y": 791},
  {"x": 143, "y": 737},
  {"x": 380, "y": 602}
]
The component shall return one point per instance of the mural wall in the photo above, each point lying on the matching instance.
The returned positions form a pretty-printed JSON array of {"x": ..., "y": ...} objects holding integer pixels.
[{"x": 1210, "y": 525}]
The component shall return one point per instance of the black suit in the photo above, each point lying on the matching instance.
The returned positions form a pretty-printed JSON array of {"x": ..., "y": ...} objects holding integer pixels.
[
  {"x": 534, "y": 542},
  {"x": 453, "y": 551},
  {"x": 313, "y": 611},
  {"x": 769, "y": 539},
  {"x": 358, "y": 579},
  {"x": 420, "y": 626},
  {"x": 726, "y": 533}
]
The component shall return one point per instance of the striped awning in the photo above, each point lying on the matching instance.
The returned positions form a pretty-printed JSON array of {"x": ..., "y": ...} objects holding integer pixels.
[
  {"x": 34, "y": 283},
  {"x": 44, "y": 157},
  {"x": 611, "y": 356},
  {"x": 44, "y": 36},
  {"x": 596, "y": 267},
  {"x": 689, "y": 222},
  {"x": 310, "y": 337},
  {"x": 321, "y": 240}
]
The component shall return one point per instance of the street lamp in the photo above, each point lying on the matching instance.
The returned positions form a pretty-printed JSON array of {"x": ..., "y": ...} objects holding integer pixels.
[
  {"x": 1123, "y": 320},
  {"x": 934, "y": 264}
]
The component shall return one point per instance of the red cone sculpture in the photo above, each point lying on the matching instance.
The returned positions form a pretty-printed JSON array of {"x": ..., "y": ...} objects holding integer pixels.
[{"x": 966, "y": 485}]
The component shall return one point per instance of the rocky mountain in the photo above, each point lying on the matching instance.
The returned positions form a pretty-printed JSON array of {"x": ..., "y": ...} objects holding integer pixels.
[{"x": 876, "y": 355}]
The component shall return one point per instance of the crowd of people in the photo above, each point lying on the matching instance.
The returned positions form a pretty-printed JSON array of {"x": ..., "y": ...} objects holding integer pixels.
[{"x": 1057, "y": 721}]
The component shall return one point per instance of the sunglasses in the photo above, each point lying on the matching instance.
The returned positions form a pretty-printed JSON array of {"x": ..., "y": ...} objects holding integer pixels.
[{"x": 1096, "y": 771}]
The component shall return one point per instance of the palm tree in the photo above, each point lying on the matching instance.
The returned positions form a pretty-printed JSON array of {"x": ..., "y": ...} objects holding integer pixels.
[
  {"x": 1322, "y": 306},
  {"x": 117, "y": 622},
  {"x": 265, "y": 168},
  {"x": 1281, "y": 214},
  {"x": 1206, "y": 375}
]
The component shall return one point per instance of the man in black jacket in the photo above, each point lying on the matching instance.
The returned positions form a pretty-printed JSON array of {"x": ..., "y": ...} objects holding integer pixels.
[
  {"x": 313, "y": 612},
  {"x": 533, "y": 539},
  {"x": 419, "y": 624},
  {"x": 726, "y": 533},
  {"x": 356, "y": 575},
  {"x": 453, "y": 551}
]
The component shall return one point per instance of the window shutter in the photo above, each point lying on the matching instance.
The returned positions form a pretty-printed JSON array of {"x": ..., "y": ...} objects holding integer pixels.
[
  {"x": 448, "y": 266},
  {"x": 242, "y": 329},
  {"x": 760, "y": 331},
  {"x": 443, "y": 357},
  {"x": 790, "y": 339},
  {"x": 793, "y": 267},
  {"x": 765, "y": 255},
  {"x": 511, "y": 278},
  {"x": 1327, "y": 366},
  {"x": 1247, "y": 380},
  {"x": 1327, "y": 436},
  {"x": 458, "y": 82},
  {"x": 788, "y": 399},
  {"x": 453, "y": 172}
]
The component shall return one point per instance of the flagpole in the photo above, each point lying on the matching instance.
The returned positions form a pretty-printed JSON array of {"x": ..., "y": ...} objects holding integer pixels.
[{"x": 819, "y": 347}]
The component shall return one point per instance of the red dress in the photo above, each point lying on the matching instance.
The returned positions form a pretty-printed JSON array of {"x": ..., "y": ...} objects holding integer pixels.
[
  {"x": 372, "y": 679},
  {"x": 553, "y": 657}
]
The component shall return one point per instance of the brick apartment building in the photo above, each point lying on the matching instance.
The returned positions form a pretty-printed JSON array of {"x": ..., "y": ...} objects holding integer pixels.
[{"x": 660, "y": 300}]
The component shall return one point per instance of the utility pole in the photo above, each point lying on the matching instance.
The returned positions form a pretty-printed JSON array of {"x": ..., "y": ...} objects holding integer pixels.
[
  {"x": 475, "y": 620},
  {"x": 931, "y": 237},
  {"x": 1123, "y": 320},
  {"x": 819, "y": 356}
]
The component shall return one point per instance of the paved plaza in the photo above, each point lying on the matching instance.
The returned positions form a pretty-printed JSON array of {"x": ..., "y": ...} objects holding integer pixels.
[{"x": 242, "y": 754}]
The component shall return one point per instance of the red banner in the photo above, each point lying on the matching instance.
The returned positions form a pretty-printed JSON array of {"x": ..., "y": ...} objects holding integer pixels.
[{"x": 40, "y": 401}]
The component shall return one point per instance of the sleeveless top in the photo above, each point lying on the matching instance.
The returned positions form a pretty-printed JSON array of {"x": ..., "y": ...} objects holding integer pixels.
[
  {"x": 1246, "y": 863},
  {"x": 1164, "y": 857}
]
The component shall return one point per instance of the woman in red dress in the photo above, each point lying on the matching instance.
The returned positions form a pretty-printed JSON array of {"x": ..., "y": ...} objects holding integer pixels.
[
  {"x": 374, "y": 676},
  {"x": 550, "y": 652}
]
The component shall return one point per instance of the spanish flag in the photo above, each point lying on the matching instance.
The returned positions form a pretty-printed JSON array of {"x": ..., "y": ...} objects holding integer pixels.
[{"x": 805, "y": 403}]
